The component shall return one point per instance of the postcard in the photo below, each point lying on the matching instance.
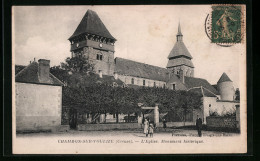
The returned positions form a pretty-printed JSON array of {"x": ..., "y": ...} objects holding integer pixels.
[{"x": 130, "y": 79}]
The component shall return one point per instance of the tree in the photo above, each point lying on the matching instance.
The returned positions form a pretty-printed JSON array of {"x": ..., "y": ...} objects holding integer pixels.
[
  {"x": 237, "y": 94},
  {"x": 77, "y": 64}
]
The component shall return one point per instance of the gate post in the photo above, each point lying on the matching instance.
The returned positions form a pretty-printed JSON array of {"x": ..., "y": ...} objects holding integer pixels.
[{"x": 156, "y": 115}]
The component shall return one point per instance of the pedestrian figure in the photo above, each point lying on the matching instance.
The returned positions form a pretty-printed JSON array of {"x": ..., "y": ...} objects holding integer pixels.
[
  {"x": 164, "y": 124},
  {"x": 199, "y": 125},
  {"x": 151, "y": 127},
  {"x": 146, "y": 124}
]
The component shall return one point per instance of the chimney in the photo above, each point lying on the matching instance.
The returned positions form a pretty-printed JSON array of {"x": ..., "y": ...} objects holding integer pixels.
[
  {"x": 100, "y": 73},
  {"x": 44, "y": 70},
  {"x": 115, "y": 75},
  {"x": 181, "y": 75}
]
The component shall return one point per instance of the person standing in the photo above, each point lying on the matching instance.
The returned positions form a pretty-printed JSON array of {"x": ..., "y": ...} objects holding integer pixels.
[
  {"x": 146, "y": 124},
  {"x": 164, "y": 124},
  {"x": 151, "y": 127},
  {"x": 199, "y": 125}
]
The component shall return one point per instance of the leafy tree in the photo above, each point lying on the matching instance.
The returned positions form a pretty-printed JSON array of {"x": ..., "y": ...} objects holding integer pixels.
[{"x": 77, "y": 64}]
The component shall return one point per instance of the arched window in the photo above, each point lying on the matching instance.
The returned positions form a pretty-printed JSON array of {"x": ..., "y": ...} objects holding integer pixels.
[
  {"x": 132, "y": 81},
  {"x": 143, "y": 82}
]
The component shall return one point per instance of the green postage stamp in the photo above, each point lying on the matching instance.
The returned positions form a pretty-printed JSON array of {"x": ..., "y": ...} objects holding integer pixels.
[{"x": 227, "y": 24}]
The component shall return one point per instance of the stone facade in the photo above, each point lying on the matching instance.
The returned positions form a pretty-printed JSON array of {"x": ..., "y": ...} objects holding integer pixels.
[{"x": 187, "y": 71}]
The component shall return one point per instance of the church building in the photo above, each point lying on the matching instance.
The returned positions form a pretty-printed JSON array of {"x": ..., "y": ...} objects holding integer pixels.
[{"x": 93, "y": 41}]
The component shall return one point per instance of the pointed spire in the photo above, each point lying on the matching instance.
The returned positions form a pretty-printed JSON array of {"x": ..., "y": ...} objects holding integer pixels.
[
  {"x": 224, "y": 78},
  {"x": 179, "y": 34},
  {"x": 179, "y": 29},
  {"x": 92, "y": 24}
]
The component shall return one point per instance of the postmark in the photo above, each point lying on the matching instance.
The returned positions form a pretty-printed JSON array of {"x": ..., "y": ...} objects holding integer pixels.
[{"x": 225, "y": 25}]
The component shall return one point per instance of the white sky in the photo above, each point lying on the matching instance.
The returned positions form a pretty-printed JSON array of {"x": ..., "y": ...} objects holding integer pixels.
[{"x": 144, "y": 34}]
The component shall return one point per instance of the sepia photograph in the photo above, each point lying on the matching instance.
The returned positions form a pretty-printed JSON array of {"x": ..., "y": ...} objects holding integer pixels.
[{"x": 129, "y": 79}]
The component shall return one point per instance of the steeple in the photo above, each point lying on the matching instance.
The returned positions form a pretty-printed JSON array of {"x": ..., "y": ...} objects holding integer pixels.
[
  {"x": 180, "y": 57},
  {"x": 179, "y": 34}
]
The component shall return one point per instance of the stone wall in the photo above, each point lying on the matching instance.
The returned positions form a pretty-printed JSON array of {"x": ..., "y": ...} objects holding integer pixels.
[
  {"x": 98, "y": 127},
  {"x": 211, "y": 105},
  {"x": 38, "y": 107},
  {"x": 221, "y": 122}
]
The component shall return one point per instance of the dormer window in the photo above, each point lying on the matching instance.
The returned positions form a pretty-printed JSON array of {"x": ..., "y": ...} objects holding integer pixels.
[{"x": 99, "y": 56}]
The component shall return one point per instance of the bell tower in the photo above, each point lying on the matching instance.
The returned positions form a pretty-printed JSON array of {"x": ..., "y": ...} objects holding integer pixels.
[
  {"x": 94, "y": 42},
  {"x": 180, "y": 57}
]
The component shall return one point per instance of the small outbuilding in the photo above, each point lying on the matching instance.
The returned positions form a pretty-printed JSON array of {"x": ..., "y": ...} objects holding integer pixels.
[{"x": 38, "y": 97}]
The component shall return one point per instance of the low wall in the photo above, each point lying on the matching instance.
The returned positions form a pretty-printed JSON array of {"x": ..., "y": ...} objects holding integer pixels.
[
  {"x": 125, "y": 126},
  {"x": 221, "y": 122}
]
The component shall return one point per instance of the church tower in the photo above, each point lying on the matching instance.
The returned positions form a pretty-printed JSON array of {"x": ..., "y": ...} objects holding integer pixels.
[
  {"x": 180, "y": 57},
  {"x": 94, "y": 42}
]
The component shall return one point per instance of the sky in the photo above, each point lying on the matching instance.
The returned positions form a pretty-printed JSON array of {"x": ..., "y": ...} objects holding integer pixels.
[{"x": 144, "y": 33}]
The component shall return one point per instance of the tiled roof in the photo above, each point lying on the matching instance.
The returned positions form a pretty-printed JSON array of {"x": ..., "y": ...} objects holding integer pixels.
[
  {"x": 224, "y": 78},
  {"x": 179, "y": 49},
  {"x": 202, "y": 92},
  {"x": 92, "y": 24},
  {"x": 29, "y": 74},
  {"x": 18, "y": 68},
  {"x": 191, "y": 82},
  {"x": 179, "y": 61},
  {"x": 136, "y": 69}
]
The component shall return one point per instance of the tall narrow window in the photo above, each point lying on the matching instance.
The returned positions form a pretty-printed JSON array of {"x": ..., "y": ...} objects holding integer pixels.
[
  {"x": 143, "y": 82},
  {"x": 173, "y": 86},
  {"x": 132, "y": 81}
]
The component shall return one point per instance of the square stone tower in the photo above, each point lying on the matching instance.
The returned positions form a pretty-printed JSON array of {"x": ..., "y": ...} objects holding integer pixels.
[{"x": 94, "y": 42}]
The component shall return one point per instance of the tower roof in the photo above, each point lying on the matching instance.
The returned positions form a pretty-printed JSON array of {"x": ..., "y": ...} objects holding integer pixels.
[
  {"x": 92, "y": 24},
  {"x": 179, "y": 49},
  {"x": 224, "y": 78}
]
